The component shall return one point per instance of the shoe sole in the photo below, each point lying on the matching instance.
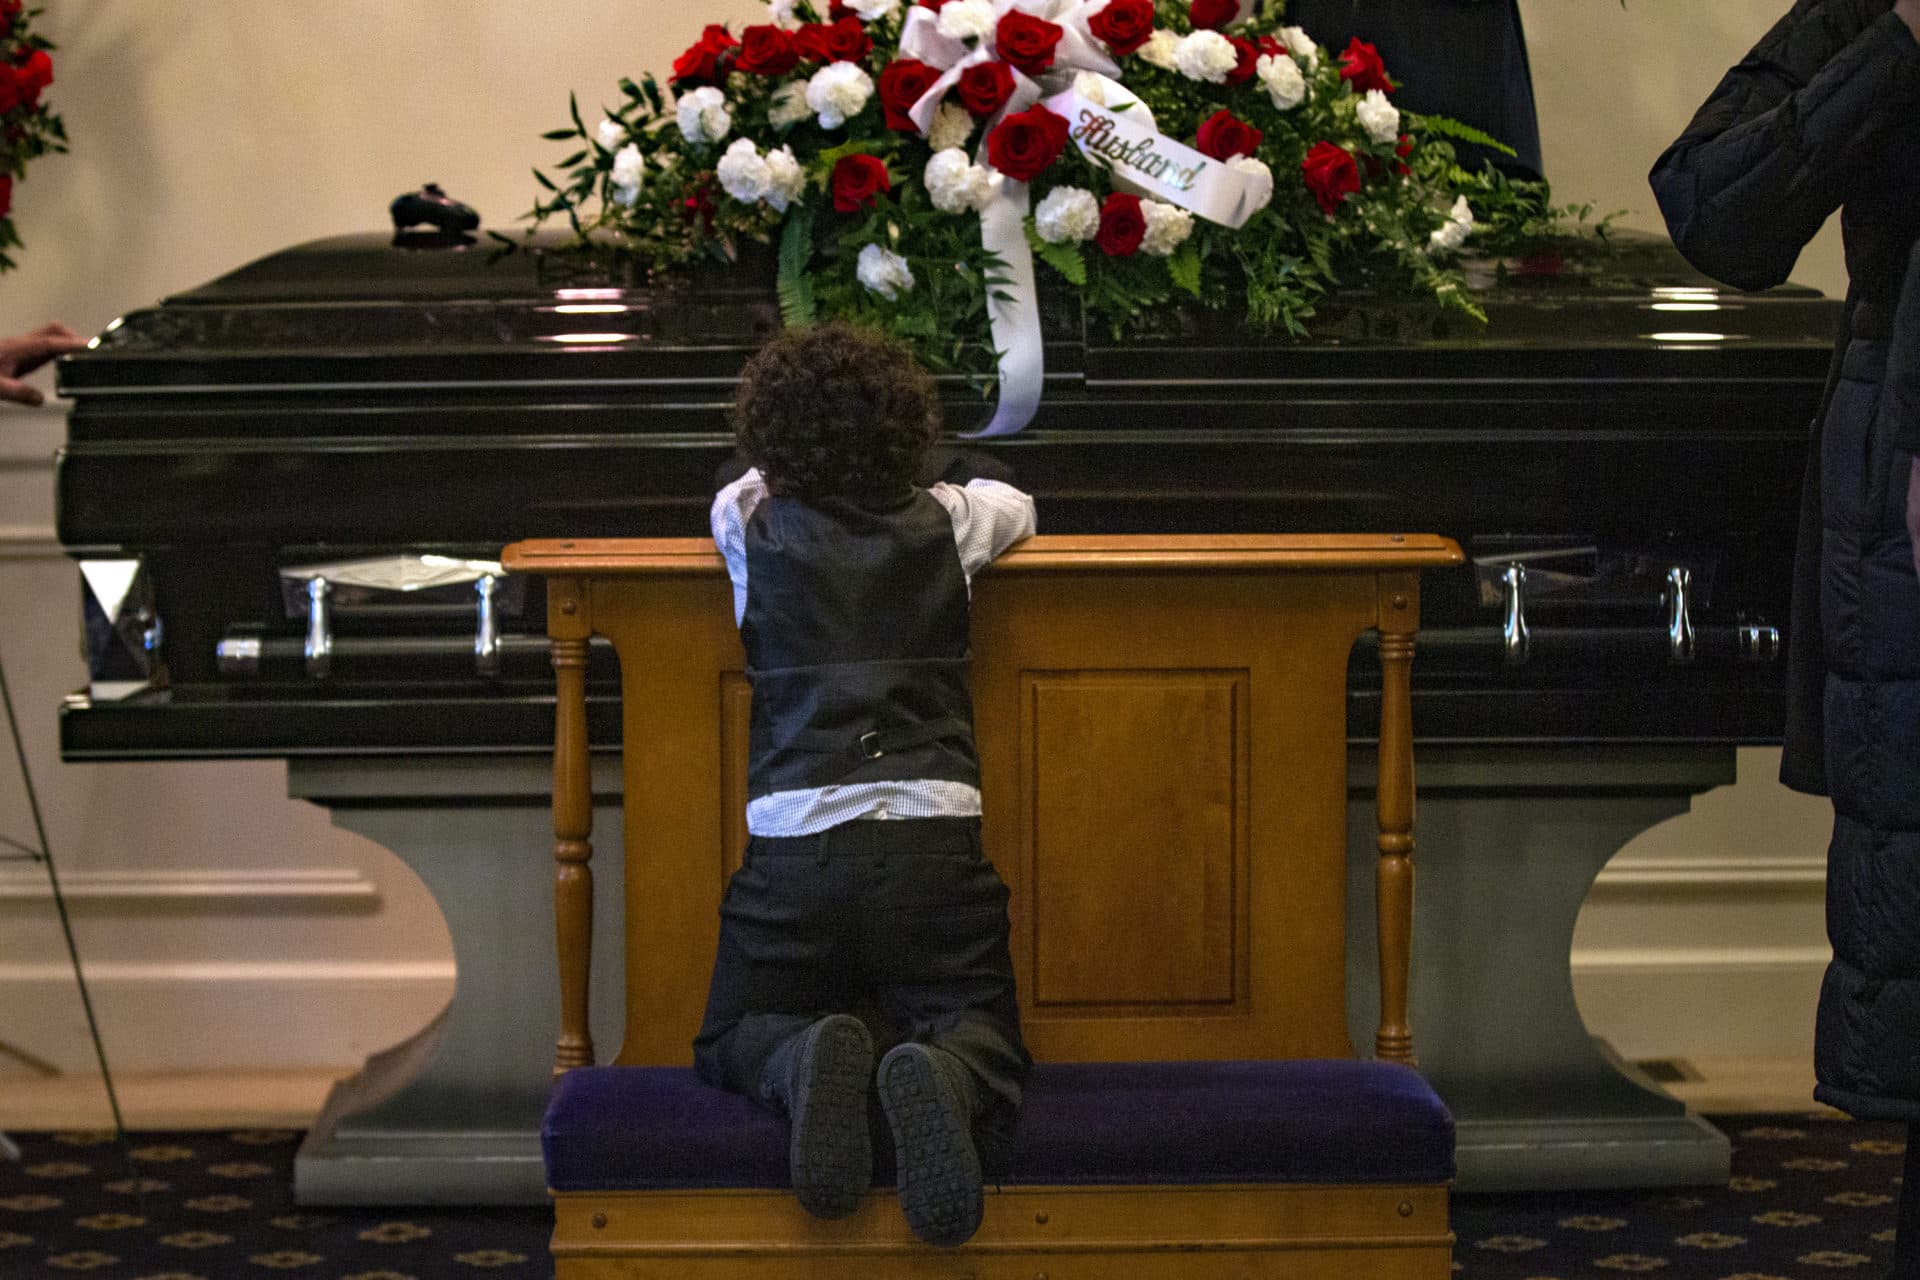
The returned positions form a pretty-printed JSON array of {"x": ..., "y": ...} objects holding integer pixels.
[
  {"x": 831, "y": 1153},
  {"x": 939, "y": 1170}
]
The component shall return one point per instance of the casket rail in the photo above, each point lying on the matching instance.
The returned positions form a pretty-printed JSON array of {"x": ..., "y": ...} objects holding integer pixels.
[{"x": 286, "y": 488}]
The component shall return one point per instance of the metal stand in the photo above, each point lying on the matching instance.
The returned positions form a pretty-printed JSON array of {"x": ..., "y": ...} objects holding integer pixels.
[{"x": 15, "y": 851}]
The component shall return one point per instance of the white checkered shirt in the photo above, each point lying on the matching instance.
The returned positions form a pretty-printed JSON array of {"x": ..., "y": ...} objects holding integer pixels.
[{"x": 988, "y": 517}]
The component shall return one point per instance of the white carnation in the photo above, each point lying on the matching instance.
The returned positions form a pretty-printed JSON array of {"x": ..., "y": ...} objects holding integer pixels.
[
  {"x": 1160, "y": 50},
  {"x": 629, "y": 168},
  {"x": 785, "y": 179},
  {"x": 704, "y": 116},
  {"x": 873, "y": 10},
  {"x": 951, "y": 126},
  {"x": 1068, "y": 214},
  {"x": 956, "y": 184},
  {"x": 884, "y": 273},
  {"x": 1261, "y": 180},
  {"x": 1300, "y": 45},
  {"x": 1167, "y": 228},
  {"x": 968, "y": 19},
  {"x": 783, "y": 14},
  {"x": 1380, "y": 118},
  {"x": 789, "y": 105},
  {"x": 838, "y": 92},
  {"x": 611, "y": 134},
  {"x": 1281, "y": 75},
  {"x": 743, "y": 174},
  {"x": 1206, "y": 55},
  {"x": 1458, "y": 227}
]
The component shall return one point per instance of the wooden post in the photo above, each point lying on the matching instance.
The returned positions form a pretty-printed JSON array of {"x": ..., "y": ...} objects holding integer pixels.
[
  {"x": 1399, "y": 621},
  {"x": 569, "y": 625}
]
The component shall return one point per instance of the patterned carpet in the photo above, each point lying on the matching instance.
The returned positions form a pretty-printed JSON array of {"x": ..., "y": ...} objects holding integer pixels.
[{"x": 1811, "y": 1199}]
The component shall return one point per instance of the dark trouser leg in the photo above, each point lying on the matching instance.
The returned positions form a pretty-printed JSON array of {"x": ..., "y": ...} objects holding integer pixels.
[
  {"x": 785, "y": 959},
  {"x": 1906, "y": 1241},
  {"x": 934, "y": 945}
]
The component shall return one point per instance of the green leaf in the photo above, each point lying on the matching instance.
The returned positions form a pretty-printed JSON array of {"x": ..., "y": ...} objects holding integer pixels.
[
  {"x": 1063, "y": 258},
  {"x": 560, "y": 135},
  {"x": 1448, "y": 127},
  {"x": 545, "y": 181},
  {"x": 795, "y": 285},
  {"x": 573, "y": 105},
  {"x": 571, "y": 160},
  {"x": 1184, "y": 268}
]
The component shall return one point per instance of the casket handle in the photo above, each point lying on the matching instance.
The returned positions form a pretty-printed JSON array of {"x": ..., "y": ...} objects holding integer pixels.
[
  {"x": 319, "y": 646},
  {"x": 1682, "y": 644},
  {"x": 1517, "y": 640}
]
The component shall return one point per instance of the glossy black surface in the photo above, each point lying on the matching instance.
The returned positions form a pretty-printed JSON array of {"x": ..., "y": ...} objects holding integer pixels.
[{"x": 351, "y": 396}]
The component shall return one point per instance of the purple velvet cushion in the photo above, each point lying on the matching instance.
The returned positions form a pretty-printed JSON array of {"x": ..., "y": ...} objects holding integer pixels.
[{"x": 1136, "y": 1123}]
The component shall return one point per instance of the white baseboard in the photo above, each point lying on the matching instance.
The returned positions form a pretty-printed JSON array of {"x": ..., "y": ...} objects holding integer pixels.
[
  {"x": 1745, "y": 1002},
  {"x": 217, "y": 1017}
]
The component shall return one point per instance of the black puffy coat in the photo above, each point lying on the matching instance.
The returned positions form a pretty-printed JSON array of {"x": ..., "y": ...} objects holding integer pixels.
[
  {"x": 1825, "y": 114},
  {"x": 1461, "y": 58}
]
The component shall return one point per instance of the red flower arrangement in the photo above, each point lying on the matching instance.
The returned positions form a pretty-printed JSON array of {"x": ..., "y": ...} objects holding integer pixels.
[
  {"x": 1027, "y": 143},
  {"x": 1332, "y": 175},
  {"x": 28, "y": 129}
]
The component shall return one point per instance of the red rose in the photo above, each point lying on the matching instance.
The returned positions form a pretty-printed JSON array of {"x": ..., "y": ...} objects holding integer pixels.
[
  {"x": 1027, "y": 142},
  {"x": 842, "y": 41},
  {"x": 21, "y": 85},
  {"x": 10, "y": 10},
  {"x": 935, "y": 5},
  {"x": 1223, "y": 137},
  {"x": 699, "y": 202},
  {"x": 6, "y": 194},
  {"x": 703, "y": 62},
  {"x": 1214, "y": 13},
  {"x": 1026, "y": 41},
  {"x": 903, "y": 83},
  {"x": 766, "y": 51},
  {"x": 1404, "y": 150},
  {"x": 858, "y": 182},
  {"x": 1122, "y": 226},
  {"x": 1124, "y": 25},
  {"x": 985, "y": 87},
  {"x": 1271, "y": 47},
  {"x": 1363, "y": 68},
  {"x": 838, "y": 10},
  {"x": 1331, "y": 175},
  {"x": 1249, "y": 60}
]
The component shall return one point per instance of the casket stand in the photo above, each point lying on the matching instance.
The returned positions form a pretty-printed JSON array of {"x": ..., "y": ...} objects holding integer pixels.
[{"x": 1623, "y": 477}]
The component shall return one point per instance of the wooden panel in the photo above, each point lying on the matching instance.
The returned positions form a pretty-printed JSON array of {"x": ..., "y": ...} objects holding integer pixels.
[
  {"x": 1135, "y": 832},
  {"x": 1283, "y": 639},
  {"x": 1090, "y": 1233},
  {"x": 676, "y": 641}
]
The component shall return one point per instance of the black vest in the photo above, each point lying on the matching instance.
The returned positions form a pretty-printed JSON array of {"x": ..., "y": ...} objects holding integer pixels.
[{"x": 856, "y": 638}]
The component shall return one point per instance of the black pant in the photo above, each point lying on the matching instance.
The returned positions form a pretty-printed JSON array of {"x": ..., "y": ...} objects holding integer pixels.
[{"x": 904, "y": 916}]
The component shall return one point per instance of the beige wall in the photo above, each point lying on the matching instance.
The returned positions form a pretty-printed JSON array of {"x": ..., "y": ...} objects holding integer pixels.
[{"x": 208, "y": 133}]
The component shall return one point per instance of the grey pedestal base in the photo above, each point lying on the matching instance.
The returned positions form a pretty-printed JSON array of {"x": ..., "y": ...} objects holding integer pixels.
[
  {"x": 452, "y": 1115},
  {"x": 1510, "y": 843}
]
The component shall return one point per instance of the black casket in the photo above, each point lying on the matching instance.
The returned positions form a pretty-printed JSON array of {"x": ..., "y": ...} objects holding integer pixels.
[{"x": 1619, "y": 450}]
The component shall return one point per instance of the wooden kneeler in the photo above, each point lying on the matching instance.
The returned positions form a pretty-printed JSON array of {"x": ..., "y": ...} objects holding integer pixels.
[{"x": 1162, "y": 727}]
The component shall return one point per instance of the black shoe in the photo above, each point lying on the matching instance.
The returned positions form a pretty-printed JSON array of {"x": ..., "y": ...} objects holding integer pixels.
[
  {"x": 821, "y": 1076},
  {"x": 928, "y": 1095},
  {"x": 434, "y": 207}
]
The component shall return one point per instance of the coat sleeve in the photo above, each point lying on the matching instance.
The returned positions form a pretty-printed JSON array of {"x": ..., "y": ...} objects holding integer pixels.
[{"x": 1787, "y": 135}]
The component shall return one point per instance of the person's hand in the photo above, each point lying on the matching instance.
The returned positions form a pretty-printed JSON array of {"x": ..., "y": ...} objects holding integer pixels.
[
  {"x": 22, "y": 355},
  {"x": 1909, "y": 11}
]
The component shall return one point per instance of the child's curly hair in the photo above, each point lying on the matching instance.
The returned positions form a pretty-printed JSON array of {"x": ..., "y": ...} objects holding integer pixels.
[{"x": 832, "y": 411}]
